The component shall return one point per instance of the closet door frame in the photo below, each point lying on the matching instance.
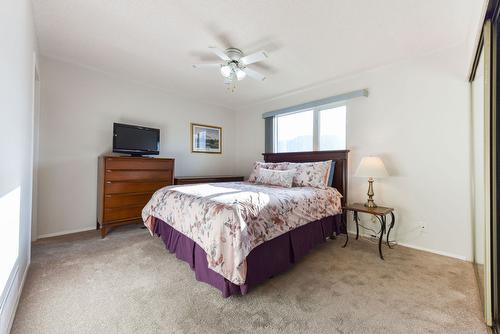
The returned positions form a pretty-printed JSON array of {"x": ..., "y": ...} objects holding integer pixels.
[
  {"x": 495, "y": 164},
  {"x": 488, "y": 44}
]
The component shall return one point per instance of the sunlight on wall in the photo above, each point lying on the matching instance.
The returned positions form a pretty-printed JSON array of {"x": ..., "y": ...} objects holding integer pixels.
[{"x": 10, "y": 210}]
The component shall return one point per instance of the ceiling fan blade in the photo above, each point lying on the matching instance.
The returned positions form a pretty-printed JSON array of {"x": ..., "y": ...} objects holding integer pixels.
[
  {"x": 253, "y": 74},
  {"x": 253, "y": 58},
  {"x": 219, "y": 53},
  {"x": 206, "y": 65}
]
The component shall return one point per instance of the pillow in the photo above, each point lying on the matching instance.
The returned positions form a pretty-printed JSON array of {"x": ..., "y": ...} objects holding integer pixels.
[
  {"x": 330, "y": 176},
  {"x": 282, "y": 178},
  {"x": 266, "y": 165},
  {"x": 311, "y": 174}
]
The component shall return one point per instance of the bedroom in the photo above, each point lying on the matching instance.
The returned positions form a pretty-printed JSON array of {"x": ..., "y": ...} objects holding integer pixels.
[{"x": 395, "y": 91}]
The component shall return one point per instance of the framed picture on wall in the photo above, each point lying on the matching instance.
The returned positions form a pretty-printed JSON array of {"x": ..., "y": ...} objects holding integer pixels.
[{"x": 206, "y": 138}]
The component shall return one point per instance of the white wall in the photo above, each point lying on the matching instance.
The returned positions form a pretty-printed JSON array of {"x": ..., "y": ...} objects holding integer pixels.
[
  {"x": 416, "y": 118},
  {"x": 78, "y": 108},
  {"x": 16, "y": 115}
]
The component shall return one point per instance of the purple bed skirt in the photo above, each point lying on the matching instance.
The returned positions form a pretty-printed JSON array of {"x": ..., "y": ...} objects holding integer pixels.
[{"x": 285, "y": 249}]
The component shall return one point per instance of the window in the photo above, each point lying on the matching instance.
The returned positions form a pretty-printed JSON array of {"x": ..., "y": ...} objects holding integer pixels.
[
  {"x": 292, "y": 135},
  {"x": 312, "y": 126},
  {"x": 311, "y": 130},
  {"x": 332, "y": 128}
]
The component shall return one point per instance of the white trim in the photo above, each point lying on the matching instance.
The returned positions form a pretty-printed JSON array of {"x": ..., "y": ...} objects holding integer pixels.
[
  {"x": 55, "y": 234},
  {"x": 4, "y": 296},
  {"x": 460, "y": 257},
  {"x": 16, "y": 294},
  {"x": 428, "y": 250},
  {"x": 18, "y": 297}
]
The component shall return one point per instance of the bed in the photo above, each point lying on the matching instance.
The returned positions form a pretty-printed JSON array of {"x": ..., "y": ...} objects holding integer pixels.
[{"x": 227, "y": 232}]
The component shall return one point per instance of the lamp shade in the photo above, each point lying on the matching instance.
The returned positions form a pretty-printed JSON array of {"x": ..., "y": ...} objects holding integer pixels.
[{"x": 371, "y": 167}]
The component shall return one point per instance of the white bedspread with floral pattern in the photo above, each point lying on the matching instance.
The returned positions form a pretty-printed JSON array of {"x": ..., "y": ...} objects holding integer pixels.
[{"x": 228, "y": 220}]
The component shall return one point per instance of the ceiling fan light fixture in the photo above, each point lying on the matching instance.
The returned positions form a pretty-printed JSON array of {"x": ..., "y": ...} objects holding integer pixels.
[
  {"x": 226, "y": 70},
  {"x": 240, "y": 75},
  {"x": 234, "y": 67}
]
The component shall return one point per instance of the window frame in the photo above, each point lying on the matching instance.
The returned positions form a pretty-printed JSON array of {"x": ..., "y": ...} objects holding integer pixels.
[{"x": 316, "y": 124}]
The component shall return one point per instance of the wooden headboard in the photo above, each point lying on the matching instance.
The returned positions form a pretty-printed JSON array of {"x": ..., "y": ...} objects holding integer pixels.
[{"x": 340, "y": 157}]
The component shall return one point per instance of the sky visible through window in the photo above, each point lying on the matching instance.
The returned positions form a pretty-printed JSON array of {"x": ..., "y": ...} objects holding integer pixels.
[
  {"x": 332, "y": 129},
  {"x": 295, "y": 132}
]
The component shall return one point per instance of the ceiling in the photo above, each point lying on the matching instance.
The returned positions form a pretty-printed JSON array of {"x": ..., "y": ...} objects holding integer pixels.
[{"x": 308, "y": 42}]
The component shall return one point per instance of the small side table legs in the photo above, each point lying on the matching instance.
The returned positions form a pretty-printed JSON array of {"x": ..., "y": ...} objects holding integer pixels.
[
  {"x": 346, "y": 233},
  {"x": 356, "y": 219},
  {"x": 393, "y": 220},
  {"x": 381, "y": 219},
  {"x": 381, "y": 214}
]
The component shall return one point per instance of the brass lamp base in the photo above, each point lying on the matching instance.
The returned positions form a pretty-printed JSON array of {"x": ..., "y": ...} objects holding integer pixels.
[{"x": 370, "y": 203}]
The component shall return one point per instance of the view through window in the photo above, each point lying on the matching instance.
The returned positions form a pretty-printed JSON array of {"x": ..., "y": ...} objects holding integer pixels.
[
  {"x": 311, "y": 130},
  {"x": 295, "y": 132}
]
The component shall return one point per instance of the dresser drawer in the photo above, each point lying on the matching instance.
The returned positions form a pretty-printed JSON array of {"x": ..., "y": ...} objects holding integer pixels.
[
  {"x": 117, "y": 187},
  {"x": 122, "y": 200},
  {"x": 139, "y": 163},
  {"x": 132, "y": 212},
  {"x": 128, "y": 175},
  {"x": 126, "y": 184}
]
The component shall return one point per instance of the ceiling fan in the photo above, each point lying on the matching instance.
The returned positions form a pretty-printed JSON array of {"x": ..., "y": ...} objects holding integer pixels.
[{"x": 234, "y": 67}]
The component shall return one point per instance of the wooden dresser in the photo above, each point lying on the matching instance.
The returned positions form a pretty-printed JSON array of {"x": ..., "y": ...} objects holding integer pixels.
[
  {"x": 207, "y": 179},
  {"x": 125, "y": 185}
]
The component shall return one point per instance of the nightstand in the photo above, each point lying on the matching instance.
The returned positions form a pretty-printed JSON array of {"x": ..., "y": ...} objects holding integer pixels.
[{"x": 380, "y": 213}]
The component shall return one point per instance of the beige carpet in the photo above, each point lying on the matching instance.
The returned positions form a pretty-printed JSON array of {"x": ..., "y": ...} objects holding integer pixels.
[{"x": 128, "y": 283}]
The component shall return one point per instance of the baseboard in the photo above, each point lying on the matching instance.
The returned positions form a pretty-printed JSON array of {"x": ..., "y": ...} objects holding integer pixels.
[
  {"x": 460, "y": 257},
  {"x": 429, "y": 250},
  {"x": 13, "y": 300},
  {"x": 55, "y": 234}
]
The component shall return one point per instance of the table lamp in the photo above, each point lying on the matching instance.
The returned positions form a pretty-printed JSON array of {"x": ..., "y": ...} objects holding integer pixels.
[{"x": 371, "y": 167}]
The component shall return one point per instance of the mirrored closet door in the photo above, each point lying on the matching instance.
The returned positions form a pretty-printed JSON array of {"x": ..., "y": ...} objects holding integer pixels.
[
  {"x": 478, "y": 183},
  {"x": 485, "y": 164},
  {"x": 481, "y": 159}
]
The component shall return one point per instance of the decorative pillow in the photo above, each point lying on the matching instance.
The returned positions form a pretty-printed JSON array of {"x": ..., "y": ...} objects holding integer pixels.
[
  {"x": 282, "y": 178},
  {"x": 266, "y": 165},
  {"x": 311, "y": 174}
]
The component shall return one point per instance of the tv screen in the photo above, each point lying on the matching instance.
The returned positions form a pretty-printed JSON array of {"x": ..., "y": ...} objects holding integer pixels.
[{"x": 135, "y": 140}]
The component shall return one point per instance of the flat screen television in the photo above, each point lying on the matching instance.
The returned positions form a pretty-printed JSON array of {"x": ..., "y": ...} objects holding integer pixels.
[{"x": 135, "y": 140}]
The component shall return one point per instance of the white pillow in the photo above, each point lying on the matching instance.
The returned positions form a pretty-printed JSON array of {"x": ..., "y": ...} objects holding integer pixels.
[
  {"x": 311, "y": 174},
  {"x": 266, "y": 165},
  {"x": 282, "y": 178}
]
